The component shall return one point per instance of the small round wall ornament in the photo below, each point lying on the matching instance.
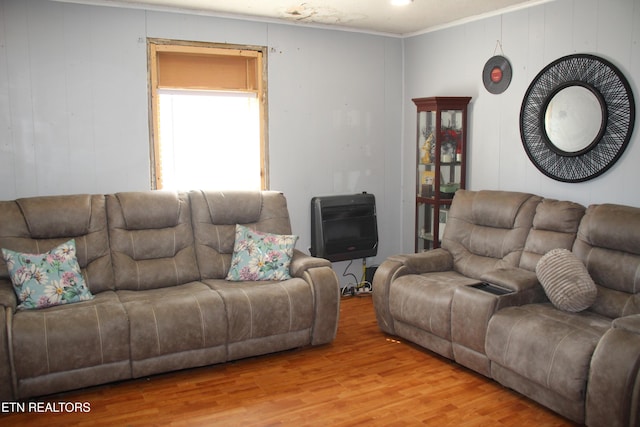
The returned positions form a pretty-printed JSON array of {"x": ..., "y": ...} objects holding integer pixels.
[{"x": 496, "y": 74}]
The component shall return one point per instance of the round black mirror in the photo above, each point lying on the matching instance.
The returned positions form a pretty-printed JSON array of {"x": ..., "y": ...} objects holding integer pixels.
[
  {"x": 574, "y": 119},
  {"x": 577, "y": 118}
]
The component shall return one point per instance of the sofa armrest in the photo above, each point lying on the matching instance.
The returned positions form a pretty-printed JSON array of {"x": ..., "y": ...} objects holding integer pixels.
[
  {"x": 400, "y": 265},
  {"x": 8, "y": 304},
  {"x": 516, "y": 279},
  {"x": 7, "y": 295},
  {"x": 524, "y": 284},
  {"x": 613, "y": 387},
  {"x": 628, "y": 323},
  {"x": 326, "y": 292},
  {"x": 301, "y": 262},
  {"x": 426, "y": 262},
  {"x": 6, "y": 376}
]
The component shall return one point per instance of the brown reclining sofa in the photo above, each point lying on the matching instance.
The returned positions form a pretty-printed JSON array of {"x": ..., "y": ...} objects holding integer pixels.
[
  {"x": 541, "y": 295},
  {"x": 155, "y": 263}
]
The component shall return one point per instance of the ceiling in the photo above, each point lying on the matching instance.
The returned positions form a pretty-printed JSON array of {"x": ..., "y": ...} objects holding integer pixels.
[{"x": 377, "y": 16}]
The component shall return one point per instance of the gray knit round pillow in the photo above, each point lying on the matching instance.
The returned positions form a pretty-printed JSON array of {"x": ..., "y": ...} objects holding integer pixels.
[{"x": 566, "y": 280}]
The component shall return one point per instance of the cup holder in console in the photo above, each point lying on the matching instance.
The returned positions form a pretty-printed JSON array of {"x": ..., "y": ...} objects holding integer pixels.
[{"x": 491, "y": 288}]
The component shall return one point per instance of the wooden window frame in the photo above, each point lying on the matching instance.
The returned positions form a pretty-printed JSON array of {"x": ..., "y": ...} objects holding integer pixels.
[{"x": 156, "y": 47}]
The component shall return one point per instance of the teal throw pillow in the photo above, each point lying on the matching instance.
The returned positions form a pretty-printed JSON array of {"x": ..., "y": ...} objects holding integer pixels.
[
  {"x": 260, "y": 256},
  {"x": 45, "y": 280}
]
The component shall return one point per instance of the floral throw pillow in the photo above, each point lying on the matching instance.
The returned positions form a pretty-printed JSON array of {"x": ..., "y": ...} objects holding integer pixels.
[
  {"x": 45, "y": 280},
  {"x": 260, "y": 256}
]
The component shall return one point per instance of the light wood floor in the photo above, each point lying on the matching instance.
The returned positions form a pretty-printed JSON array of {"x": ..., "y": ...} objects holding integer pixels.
[{"x": 363, "y": 378}]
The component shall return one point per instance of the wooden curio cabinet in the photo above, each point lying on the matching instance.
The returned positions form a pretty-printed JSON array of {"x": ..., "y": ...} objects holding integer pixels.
[{"x": 441, "y": 164}]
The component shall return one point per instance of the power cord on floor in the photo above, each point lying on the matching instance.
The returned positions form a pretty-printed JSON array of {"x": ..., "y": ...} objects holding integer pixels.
[{"x": 356, "y": 288}]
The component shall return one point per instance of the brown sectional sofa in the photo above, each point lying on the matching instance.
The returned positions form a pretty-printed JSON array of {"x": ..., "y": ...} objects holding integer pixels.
[
  {"x": 477, "y": 300},
  {"x": 156, "y": 264}
]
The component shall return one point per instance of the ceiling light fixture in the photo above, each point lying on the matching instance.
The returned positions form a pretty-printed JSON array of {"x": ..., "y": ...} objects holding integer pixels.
[{"x": 401, "y": 2}]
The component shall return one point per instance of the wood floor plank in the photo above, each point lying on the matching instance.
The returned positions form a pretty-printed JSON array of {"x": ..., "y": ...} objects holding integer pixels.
[{"x": 363, "y": 378}]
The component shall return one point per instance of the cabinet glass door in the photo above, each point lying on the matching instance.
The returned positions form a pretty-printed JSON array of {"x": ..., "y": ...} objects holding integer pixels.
[
  {"x": 432, "y": 221},
  {"x": 450, "y": 152},
  {"x": 427, "y": 181}
]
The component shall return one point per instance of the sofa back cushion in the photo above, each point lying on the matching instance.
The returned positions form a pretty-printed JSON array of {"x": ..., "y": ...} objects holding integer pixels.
[
  {"x": 151, "y": 239},
  {"x": 608, "y": 243},
  {"x": 488, "y": 229},
  {"x": 215, "y": 215},
  {"x": 555, "y": 226},
  {"x": 37, "y": 224}
]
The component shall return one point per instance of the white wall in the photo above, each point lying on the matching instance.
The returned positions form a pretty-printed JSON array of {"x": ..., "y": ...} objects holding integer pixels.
[
  {"x": 449, "y": 62},
  {"x": 74, "y": 105},
  {"x": 74, "y": 102},
  {"x": 73, "y": 99}
]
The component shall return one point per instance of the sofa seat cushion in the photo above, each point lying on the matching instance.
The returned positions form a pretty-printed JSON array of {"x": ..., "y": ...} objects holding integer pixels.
[
  {"x": 70, "y": 337},
  {"x": 547, "y": 346},
  {"x": 173, "y": 320},
  {"x": 424, "y": 300},
  {"x": 266, "y": 308}
]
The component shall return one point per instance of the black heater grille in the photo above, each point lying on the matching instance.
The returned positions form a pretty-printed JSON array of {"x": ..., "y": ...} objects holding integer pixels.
[{"x": 344, "y": 227}]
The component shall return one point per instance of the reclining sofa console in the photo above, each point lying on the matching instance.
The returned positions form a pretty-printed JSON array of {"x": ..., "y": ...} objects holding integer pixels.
[{"x": 541, "y": 295}]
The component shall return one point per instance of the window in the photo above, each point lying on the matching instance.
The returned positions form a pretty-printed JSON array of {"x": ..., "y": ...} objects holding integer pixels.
[{"x": 208, "y": 116}]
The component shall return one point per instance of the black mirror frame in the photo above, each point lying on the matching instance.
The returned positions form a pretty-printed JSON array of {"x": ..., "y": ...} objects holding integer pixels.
[{"x": 613, "y": 90}]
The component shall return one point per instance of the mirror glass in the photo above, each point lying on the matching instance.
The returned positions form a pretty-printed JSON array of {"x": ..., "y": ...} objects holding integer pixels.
[
  {"x": 573, "y": 119},
  {"x": 577, "y": 118}
]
